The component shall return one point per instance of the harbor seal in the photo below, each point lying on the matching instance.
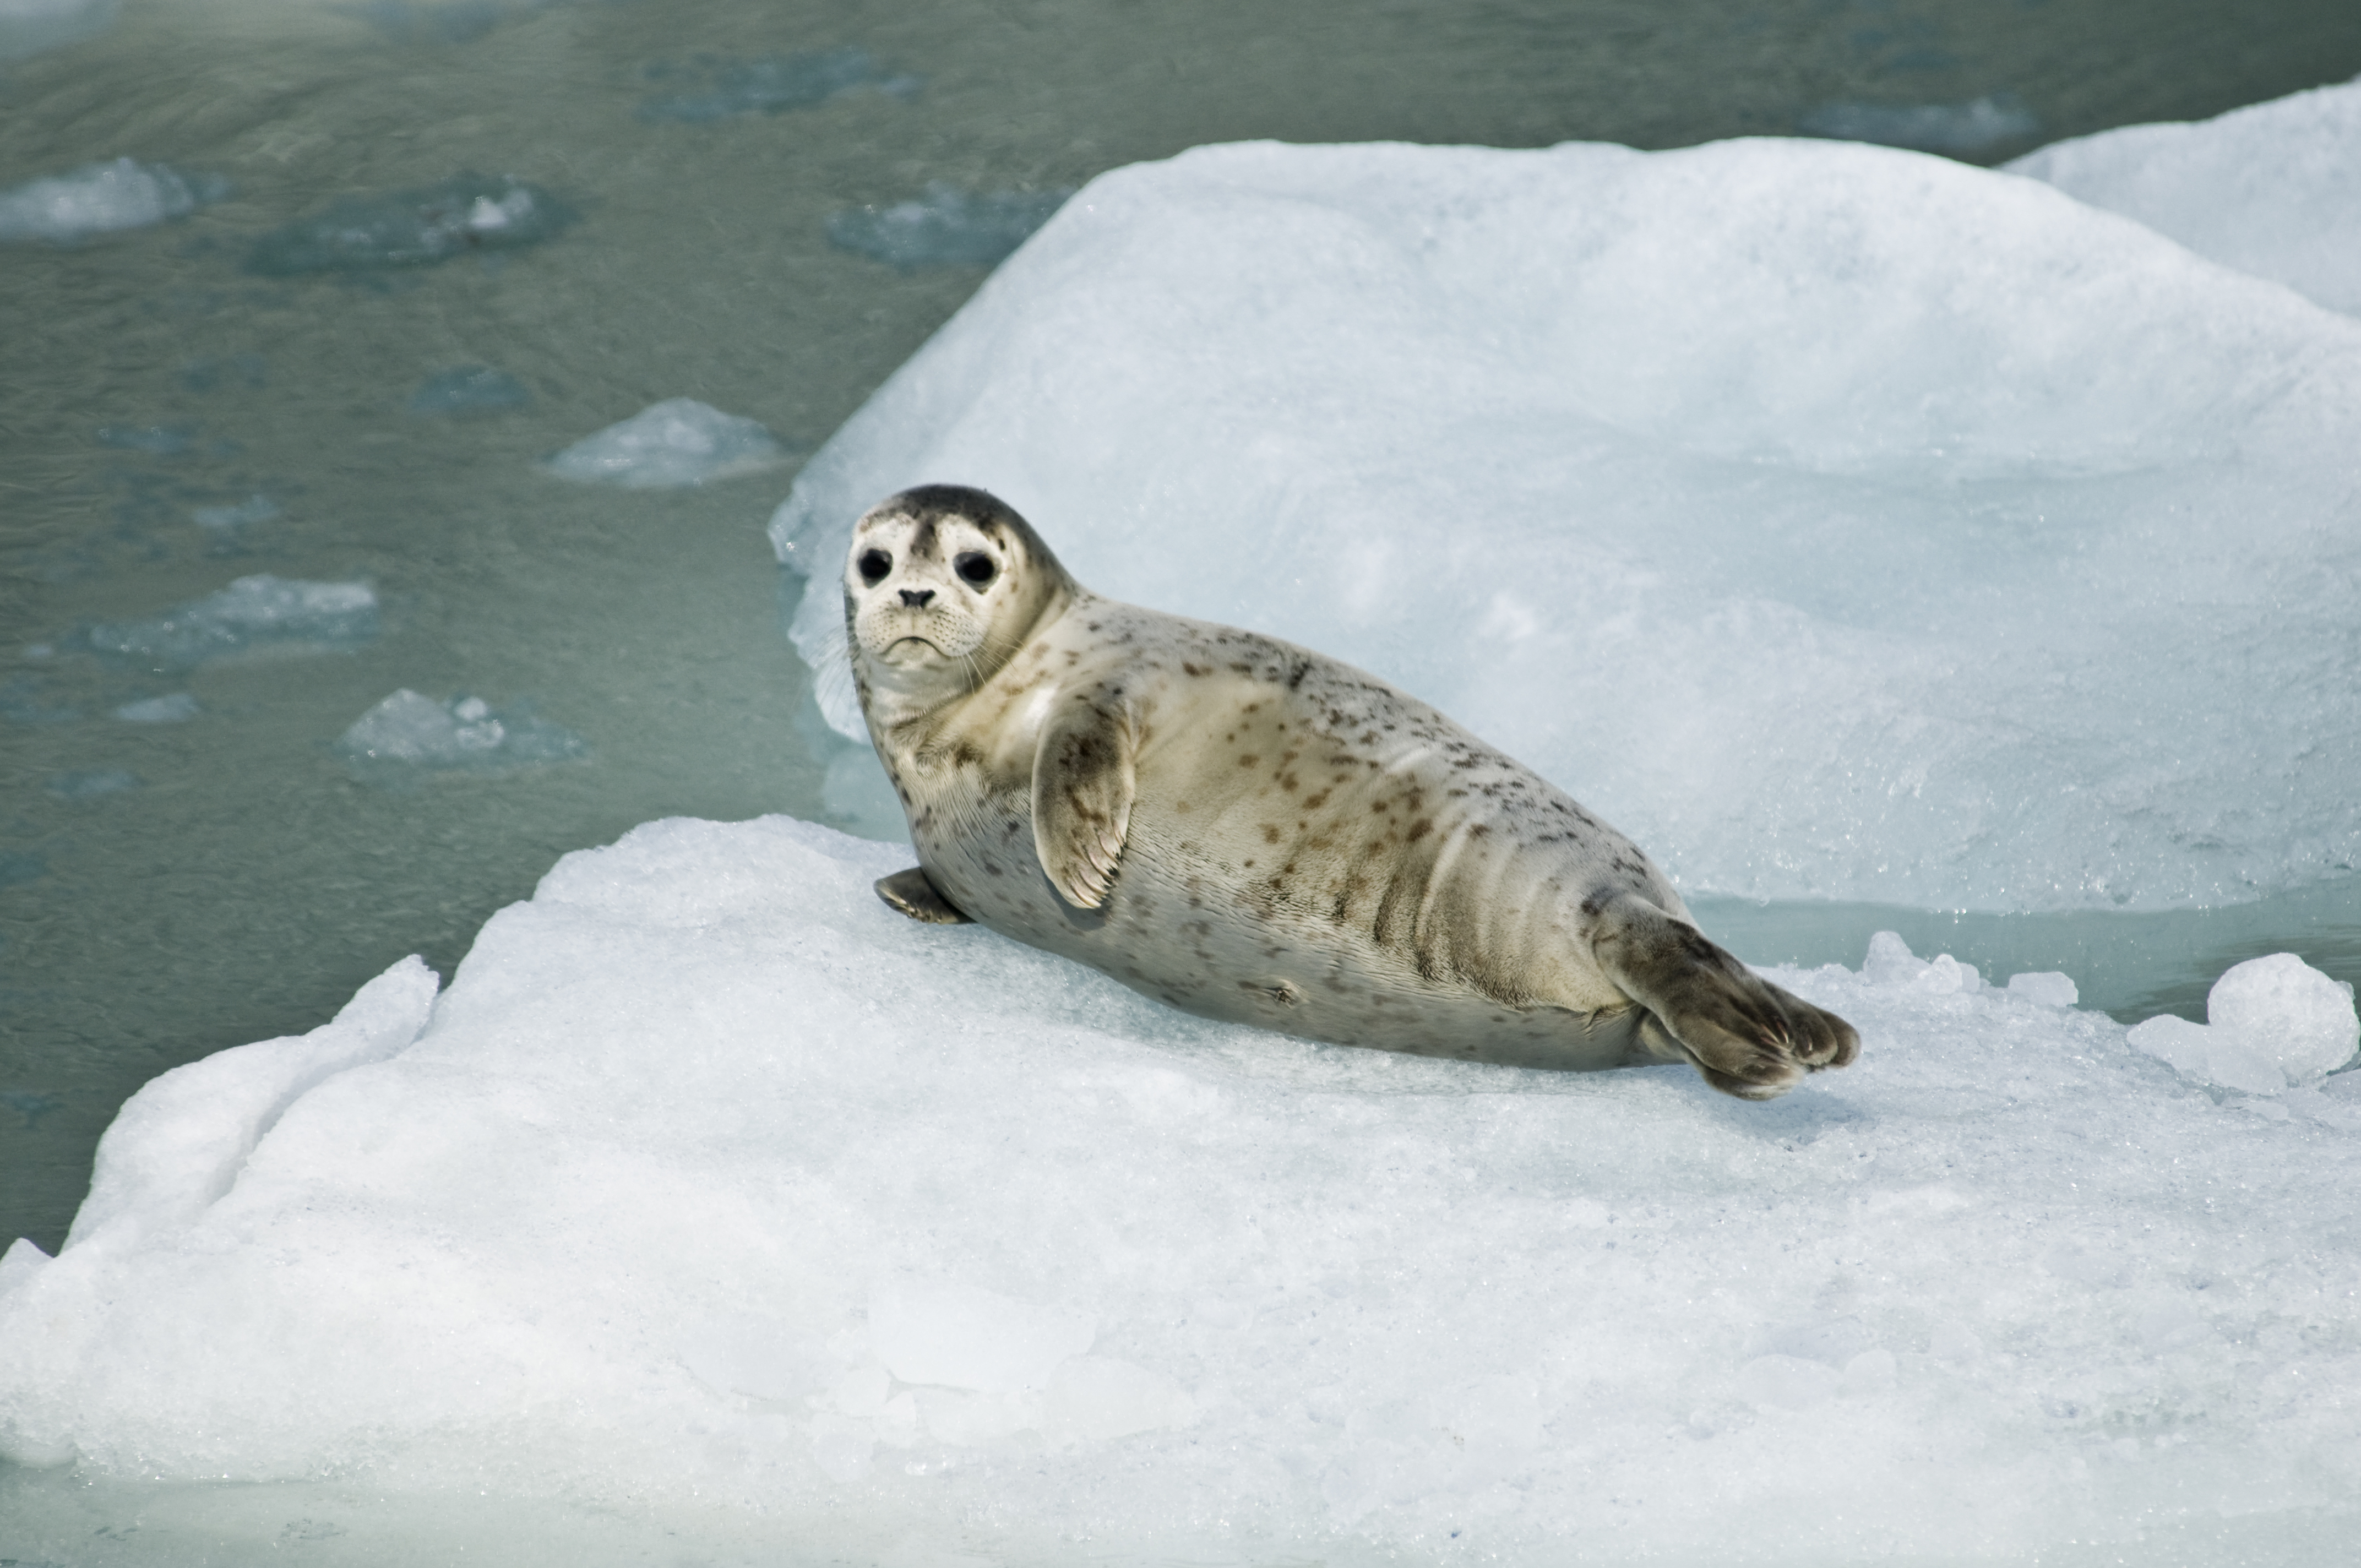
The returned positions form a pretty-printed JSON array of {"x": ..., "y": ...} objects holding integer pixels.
[{"x": 1251, "y": 831}]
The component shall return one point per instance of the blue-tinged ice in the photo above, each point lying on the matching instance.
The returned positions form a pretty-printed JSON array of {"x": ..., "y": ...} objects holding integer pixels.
[
  {"x": 707, "y": 89},
  {"x": 1958, "y": 129},
  {"x": 676, "y": 442},
  {"x": 175, "y": 707},
  {"x": 465, "y": 214},
  {"x": 252, "y": 617},
  {"x": 30, "y": 27},
  {"x": 2273, "y": 188},
  {"x": 409, "y": 733},
  {"x": 227, "y": 519},
  {"x": 469, "y": 390},
  {"x": 945, "y": 228},
  {"x": 101, "y": 198},
  {"x": 1837, "y": 521}
]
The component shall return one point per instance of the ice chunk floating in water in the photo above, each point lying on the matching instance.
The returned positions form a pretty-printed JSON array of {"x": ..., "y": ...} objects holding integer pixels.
[
  {"x": 678, "y": 442},
  {"x": 946, "y": 227},
  {"x": 2268, "y": 1022},
  {"x": 103, "y": 198},
  {"x": 1837, "y": 521},
  {"x": 254, "y": 615},
  {"x": 408, "y": 733},
  {"x": 707, "y": 89},
  {"x": 713, "y": 1190},
  {"x": 1960, "y": 129},
  {"x": 466, "y": 213},
  {"x": 2274, "y": 188}
]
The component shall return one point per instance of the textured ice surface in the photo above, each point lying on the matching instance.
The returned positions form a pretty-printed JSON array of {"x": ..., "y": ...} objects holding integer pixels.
[
  {"x": 469, "y": 390},
  {"x": 678, "y": 442},
  {"x": 101, "y": 198},
  {"x": 174, "y": 708},
  {"x": 1837, "y": 521},
  {"x": 711, "y": 1190},
  {"x": 253, "y": 615},
  {"x": 2274, "y": 188},
  {"x": 945, "y": 228},
  {"x": 467, "y": 213},
  {"x": 29, "y": 27},
  {"x": 1960, "y": 128},
  {"x": 707, "y": 89},
  {"x": 408, "y": 733},
  {"x": 2269, "y": 1023}
]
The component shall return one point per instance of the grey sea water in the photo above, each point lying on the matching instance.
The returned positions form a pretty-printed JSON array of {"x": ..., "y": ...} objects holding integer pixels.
[{"x": 442, "y": 241}]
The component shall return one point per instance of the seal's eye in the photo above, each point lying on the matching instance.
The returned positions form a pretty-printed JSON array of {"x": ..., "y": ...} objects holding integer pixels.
[
  {"x": 875, "y": 564},
  {"x": 975, "y": 567}
]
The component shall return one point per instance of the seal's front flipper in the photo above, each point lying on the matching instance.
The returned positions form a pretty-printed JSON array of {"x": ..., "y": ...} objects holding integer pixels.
[
  {"x": 915, "y": 896},
  {"x": 1084, "y": 784},
  {"x": 1747, "y": 1036}
]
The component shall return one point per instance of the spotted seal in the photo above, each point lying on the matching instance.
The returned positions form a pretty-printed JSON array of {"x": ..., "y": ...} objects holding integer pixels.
[{"x": 1251, "y": 831}]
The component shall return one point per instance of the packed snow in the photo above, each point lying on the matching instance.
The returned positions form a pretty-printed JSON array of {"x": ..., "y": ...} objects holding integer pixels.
[
  {"x": 713, "y": 1185},
  {"x": 1959, "y": 128},
  {"x": 2274, "y": 188},
  {"x": 409, "y": 734},
  {"x": 676, "y": 442},
  {"x": 253, "y": 617},
  {"x": 101, "y": 198},
  {"x": 469, "y": 390},
  {"x": 1837, "y": 521},
  {"x": 707, "y": 89},
  {"x": 945, "y": 228},
  {"x": 467, "y": 214}
]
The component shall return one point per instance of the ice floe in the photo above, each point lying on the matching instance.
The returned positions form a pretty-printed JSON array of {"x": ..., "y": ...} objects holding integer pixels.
[
  {"x": 676, "y": 442},
  {"x": 465, "y": 214},
  {"x": 253, "y": 615},
  {"x": 101, "y": 198},
  {"x": 176, "y": 707},
  {"x": 409, "y": 733}
]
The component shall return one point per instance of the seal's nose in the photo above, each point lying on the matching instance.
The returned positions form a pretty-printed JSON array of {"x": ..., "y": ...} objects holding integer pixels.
[{"x": 916, "y": 597}]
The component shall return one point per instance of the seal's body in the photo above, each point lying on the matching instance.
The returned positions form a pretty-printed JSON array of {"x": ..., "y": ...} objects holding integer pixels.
[{"x": 1251, "y": 831}]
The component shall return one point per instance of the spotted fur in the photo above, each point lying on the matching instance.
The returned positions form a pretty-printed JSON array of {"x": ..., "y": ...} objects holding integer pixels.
[{"x": 1252, "y": 831}]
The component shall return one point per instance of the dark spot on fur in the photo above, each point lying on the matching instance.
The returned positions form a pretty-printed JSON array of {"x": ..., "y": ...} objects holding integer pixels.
[
  {"x": 1270, "y": 833},
  {"x": 1248, "y": 760}
]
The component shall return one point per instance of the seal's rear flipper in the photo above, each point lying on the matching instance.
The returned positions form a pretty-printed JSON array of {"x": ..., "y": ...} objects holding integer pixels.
[
  {"x": 1746, "y": 1035},
  {"x": 915, "y": 896}
]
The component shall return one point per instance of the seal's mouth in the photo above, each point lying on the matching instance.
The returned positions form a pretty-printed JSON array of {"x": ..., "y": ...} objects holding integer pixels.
[{"x": 904, "y": 650}]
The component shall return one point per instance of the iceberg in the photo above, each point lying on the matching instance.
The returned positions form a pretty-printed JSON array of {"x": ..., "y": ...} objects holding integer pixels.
[
  {"x": 2273, "y": 188},
  {"x": 252, "y": 617},
  {"x": 1840, "y": 522},
  {"x": 715, "y": 1205},
  {"x": 674, "y": 443},
  {"x": 465, "y": 214},
  {"x": 101, "y": 198}
]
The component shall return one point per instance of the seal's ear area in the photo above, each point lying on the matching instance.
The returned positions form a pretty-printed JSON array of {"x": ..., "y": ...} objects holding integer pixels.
[
  {"x": 915, "y": 895},
  {"x": 1746, "y": 1037},
  {"x": 1084, "y": 786}
]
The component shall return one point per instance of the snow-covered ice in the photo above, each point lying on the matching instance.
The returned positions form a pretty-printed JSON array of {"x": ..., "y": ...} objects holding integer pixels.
[
  {"x": 2273, "y": 188},
  {"x": 253, "y": 615},
  {"x": 945, "y": 228},
  {"x": 1960, "y": 128},
  {"x": 2269, "y": 1023},
  {"x": 676, "y": 442},
  {"x": 468, "y": 214},
  {"x": 408, "y": 734},
  {"x": 713, "y": 1192},
  {"x": 469, "y": 390},
  {"x": 701, "y": 91},
  {"x": 101, "y": 198},
  {"x": 1837, "y": 521}
]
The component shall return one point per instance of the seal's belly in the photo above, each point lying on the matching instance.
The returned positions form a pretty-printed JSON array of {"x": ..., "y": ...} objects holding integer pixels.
[{"x": 1352, "y": 904}]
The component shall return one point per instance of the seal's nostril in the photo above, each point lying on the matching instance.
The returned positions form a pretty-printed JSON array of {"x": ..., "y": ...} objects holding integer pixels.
[{"x": 916, "y": 597}]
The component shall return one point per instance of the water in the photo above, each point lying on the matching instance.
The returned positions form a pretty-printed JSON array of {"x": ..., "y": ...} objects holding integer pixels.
[{"x": 175, "y": 420}]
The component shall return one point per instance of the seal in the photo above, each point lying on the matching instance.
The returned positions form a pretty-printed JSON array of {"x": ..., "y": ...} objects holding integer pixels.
[{"x": 1247, "y": 831}]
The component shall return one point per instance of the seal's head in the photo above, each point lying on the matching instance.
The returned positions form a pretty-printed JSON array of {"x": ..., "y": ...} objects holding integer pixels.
[{"x": 942, "y": 584}]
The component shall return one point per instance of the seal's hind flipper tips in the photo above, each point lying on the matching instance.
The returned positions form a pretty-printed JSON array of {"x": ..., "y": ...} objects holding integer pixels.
[{"x": 915, "y": 896}]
